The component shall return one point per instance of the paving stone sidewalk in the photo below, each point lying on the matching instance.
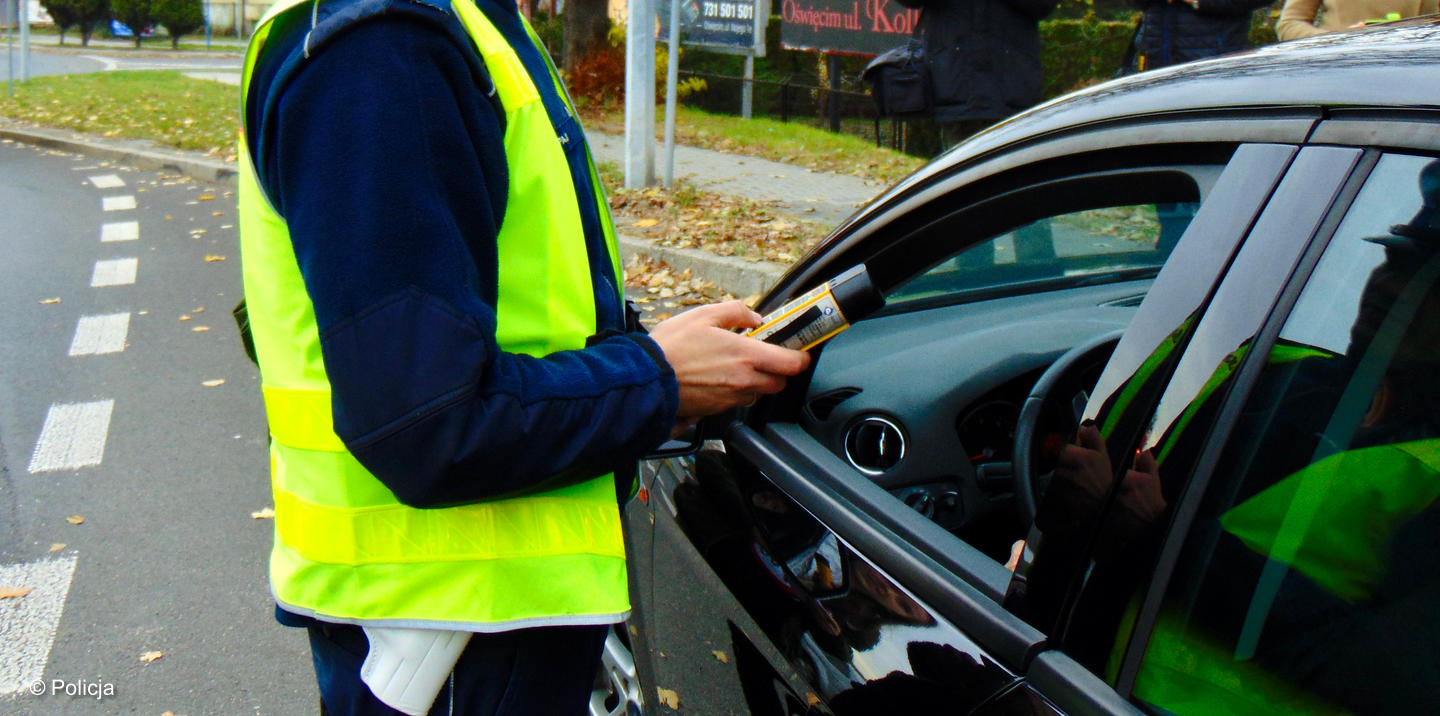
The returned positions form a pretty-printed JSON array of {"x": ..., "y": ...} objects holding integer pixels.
[{"x": 827, "y": 198}]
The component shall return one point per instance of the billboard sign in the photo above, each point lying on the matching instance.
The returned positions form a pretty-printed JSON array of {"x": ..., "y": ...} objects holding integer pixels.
[
  {"x": 851, "y": 27},
  {"x": 724, "y": 25}
]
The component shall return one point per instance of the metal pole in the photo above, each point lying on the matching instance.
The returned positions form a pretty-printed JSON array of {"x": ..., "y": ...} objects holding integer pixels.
[
  {"x": 672, "y": 77},
  {"x": 747, "y": 88},
  {"x": 24, "y": 13},
  {"x": 10, "y": 43},
  {"x": 207, "y": 25},
  {"x": 833, "y": 101},
  {"x": 640, "y": 95}
]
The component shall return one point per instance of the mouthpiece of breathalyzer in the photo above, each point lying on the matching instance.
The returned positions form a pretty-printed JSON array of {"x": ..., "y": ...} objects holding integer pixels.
[{"x": 815, "y": 317}]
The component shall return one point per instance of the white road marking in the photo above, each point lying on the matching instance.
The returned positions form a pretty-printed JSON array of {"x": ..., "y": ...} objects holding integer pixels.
[
  {"x": 117, "y": 203},
  {"x": 228, "y": 78},
  {"x": 73, "y": 436},
  {"x": 109, "y": 64},
  {"x": 120, "y": 231},
  {"x": 119, "y": 272},
  {"x": 28, "y": 624},
  {"x": 107, "y": 181},
  {"x": 96, "y": 335}
]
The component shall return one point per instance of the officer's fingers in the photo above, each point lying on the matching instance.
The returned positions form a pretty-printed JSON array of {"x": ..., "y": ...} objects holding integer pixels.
[
  {"x": 730, "y": 314},
  {"x": 775, "y": 359}
]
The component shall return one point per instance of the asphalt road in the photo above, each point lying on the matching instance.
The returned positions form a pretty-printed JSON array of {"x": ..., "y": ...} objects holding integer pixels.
[
  {"x": 49, "y": 60},
  {"x": 105, "y": 414}
]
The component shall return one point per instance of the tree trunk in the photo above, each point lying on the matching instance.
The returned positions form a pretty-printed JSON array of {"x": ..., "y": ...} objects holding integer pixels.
[{"x": 585, "y": 28}]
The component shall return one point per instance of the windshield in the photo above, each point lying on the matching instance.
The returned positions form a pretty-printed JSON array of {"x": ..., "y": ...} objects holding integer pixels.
[{"x": 1117, "y": 243}]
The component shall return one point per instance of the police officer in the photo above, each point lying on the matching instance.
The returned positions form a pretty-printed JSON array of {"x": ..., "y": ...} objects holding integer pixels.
[{"x": 434, "y": 294}]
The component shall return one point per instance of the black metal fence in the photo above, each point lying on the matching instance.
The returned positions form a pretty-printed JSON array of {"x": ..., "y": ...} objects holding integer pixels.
[{"x": 796, "y": 98}]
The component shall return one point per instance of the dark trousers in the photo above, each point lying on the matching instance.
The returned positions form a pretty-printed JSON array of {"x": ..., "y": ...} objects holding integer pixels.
[{"x": 546, "y": 670}]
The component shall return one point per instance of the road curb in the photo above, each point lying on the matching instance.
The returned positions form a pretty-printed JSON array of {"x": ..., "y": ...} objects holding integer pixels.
[
  {"x": 738, "y": 276},
  {"x": 138, "y": 153}
]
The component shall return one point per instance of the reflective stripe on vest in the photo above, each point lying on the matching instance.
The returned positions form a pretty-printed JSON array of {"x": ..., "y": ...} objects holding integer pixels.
[{"x": 345, "y": 549}]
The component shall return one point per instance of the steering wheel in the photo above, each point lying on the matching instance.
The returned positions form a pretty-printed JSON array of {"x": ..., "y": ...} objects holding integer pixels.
[{"x": 1025, "y": 467}]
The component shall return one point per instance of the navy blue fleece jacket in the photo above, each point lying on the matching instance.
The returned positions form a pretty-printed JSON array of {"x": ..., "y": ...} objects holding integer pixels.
[{"x": 383, "y": 152}]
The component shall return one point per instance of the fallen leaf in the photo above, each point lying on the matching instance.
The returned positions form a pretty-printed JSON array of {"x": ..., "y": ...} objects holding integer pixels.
[
  {"x": 811, "y": 698},
  {"x": 168, "y": 217},
  {"x": 150, "y": 656},
  {"x": 213, "y": 383},
  {"x": 721, "y": 657},
  {"x": 14, "y": 592},
  {"x": 643, "y": 223},
  {"x": 76, "y": 519},
  {"x": 217, "y": 213},
  {"x": 205, "y": 197},
  {"x": 57, "y": 546},
  {"x": 183, "y": 318},
  {"x": 200, "y": 329},
  {"x": 212, "y": 258},
  {"x": 198, "y": 310},
  {"x": 49, "y": 301},
  {"x": 668, "y": 697},
  {"x": 265, "y": 513}
]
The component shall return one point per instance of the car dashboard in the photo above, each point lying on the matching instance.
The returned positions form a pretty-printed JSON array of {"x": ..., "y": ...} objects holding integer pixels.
[{"x": 925, "y": 402}]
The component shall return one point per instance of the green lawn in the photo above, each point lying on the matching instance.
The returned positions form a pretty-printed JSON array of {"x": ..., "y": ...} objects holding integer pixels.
[{"x": 165, "y": 106}]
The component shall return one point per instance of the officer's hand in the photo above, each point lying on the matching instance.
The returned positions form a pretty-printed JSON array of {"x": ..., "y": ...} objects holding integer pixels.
[{"x": 717, "y": 369}]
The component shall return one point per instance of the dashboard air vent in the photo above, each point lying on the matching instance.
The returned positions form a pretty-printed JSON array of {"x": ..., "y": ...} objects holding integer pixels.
[
  {"x": 821, "y": 406},
  {"x": 874, "y": 445}
]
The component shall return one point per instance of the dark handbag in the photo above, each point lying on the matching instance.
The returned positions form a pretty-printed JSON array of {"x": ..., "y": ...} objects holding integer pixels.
[{"x": 899, "y": 81}]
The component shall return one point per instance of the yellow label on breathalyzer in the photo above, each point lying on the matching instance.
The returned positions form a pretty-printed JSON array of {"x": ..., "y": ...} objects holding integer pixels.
[{"x": 803, "y": 323}]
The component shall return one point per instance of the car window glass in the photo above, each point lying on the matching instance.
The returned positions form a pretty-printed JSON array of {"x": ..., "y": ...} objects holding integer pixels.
[
  {"x": 1110, "y": 243},
  {"x": 1310, "y": 578},
  {"x": 1058, "y": 552}
]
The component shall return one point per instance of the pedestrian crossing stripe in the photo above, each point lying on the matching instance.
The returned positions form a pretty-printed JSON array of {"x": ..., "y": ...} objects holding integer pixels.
[
  {"x": 29, "y": 623},
  {"x": 73, "y": 436}
]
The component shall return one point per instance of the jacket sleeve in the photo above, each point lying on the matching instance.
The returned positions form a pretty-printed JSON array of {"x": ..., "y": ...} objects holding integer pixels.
[
  {"x": 389, "y": 168},
  {"x": 1297, "y": 20}
]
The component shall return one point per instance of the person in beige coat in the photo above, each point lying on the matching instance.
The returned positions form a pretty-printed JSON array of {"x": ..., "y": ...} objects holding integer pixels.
[{"x": 1307, "y": 18}]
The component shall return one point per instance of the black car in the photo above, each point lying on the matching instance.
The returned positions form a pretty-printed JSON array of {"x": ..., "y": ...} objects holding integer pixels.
[{"x": 1150, "y": 423}]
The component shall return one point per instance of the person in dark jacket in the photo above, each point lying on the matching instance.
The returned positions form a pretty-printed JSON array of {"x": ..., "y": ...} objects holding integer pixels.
[
  {"x": 1176, "y": 31},
  {"x": 984, "y": 58}
]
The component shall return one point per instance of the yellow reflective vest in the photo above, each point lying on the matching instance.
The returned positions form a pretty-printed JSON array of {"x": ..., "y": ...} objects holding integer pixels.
[{"x": 346, "y": 550}]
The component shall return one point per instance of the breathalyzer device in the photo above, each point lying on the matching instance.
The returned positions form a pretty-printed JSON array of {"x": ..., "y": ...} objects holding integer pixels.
[{"x": 815, "y": 317}]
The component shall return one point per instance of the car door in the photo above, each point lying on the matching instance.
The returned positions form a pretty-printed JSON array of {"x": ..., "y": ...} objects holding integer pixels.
[
  {"x": 1278, "y": 567},
  {"x": 778, "y": 576},
  {"x": 1094, "y": 546}
]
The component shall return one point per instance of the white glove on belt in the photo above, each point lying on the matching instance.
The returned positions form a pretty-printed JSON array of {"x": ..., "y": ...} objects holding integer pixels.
[{"x": 406, "y": 668}]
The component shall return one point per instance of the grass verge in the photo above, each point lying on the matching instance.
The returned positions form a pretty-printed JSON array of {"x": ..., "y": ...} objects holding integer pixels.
[
  {"x": 166, "y": 107},
  {"x": 789, "y": 142}
]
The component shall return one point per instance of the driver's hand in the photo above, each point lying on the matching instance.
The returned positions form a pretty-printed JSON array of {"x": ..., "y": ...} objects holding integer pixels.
[{"x": 1086, "y": 465}]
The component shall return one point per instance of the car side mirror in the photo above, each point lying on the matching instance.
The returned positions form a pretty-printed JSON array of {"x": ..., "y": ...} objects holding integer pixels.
[{"x": 689, "y": 442}]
